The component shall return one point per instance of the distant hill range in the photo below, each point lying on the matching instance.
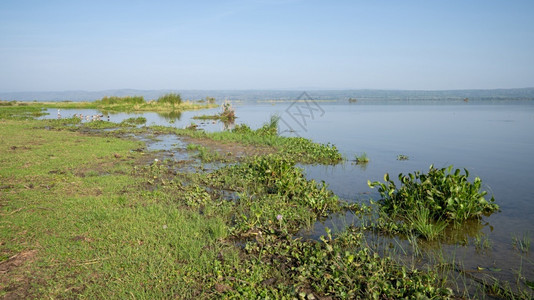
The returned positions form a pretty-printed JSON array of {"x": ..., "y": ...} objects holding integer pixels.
[{"x": 265, "y": 95}]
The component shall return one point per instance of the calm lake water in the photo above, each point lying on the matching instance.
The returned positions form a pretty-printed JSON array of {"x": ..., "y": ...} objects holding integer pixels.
[{"x": 494, "y": 142}]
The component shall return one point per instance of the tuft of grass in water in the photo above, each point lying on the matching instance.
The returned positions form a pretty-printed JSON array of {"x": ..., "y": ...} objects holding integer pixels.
[
  {"x": 423, "y": 224},
  {"x": 482, "y": 242},
  {"x": 133, "y": 121},
  {"x": 361, "y": 158},
  {"x": 522, "y": 243}
]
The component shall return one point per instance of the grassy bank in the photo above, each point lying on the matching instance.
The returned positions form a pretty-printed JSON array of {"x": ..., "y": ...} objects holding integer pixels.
[{"x": 91, "y": 214}]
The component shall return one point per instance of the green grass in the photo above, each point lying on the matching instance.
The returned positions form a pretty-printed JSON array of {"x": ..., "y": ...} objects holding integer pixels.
[
  {"x": 134, "y": 121},
  {"x": 207, "y": 117},
  {"x": 295, "y": 148},
  {"x": 362, "y": 158},
  {"x": 522, "y": 243},
  {"x": 206, "y": 155},
  {"x": 73, "y": 199},
  {"x": 424, "y": 225}
]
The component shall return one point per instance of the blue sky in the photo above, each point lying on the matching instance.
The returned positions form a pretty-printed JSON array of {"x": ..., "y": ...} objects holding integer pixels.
[{"x": 423, "y": 45}]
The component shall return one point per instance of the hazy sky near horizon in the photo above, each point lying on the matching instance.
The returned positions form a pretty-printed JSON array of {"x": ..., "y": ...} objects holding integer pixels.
[{"x": 265, "y": 44}]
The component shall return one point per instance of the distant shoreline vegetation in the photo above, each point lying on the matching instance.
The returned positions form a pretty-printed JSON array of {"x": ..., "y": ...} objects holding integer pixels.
[
  {"x": 166, "y": 103},
  {"x": 515, "y": 94}
]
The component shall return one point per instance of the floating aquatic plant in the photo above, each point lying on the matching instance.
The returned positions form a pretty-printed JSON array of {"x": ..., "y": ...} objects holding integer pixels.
[{"x": 427, "y": 200}]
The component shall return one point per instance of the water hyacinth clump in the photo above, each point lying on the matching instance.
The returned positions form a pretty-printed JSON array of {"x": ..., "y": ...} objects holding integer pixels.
[{"x": 428, "y": 200}]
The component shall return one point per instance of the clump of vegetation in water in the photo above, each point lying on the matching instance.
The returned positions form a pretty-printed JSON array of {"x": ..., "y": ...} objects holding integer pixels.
[
  {"x": 226, "y": 115},
  {"x": 402, "y": 157},
  {"x": 172, "y": 98},
  {"x": 427, "y": 202},
  {"x": 362, "y": 158},
  {"x": 228, "y": 112},
  {"x": 522, "y": 243},
  {"x": 133, "y": 121}
]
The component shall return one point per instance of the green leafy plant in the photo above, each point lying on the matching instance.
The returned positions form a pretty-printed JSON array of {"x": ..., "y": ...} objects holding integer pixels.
[
  {"x": 279, "y": 175},
  {"x": 427, "y": 200}
]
